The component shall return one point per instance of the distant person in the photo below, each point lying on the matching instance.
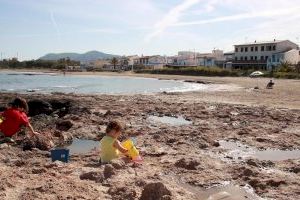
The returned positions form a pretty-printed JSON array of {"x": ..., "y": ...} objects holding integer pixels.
[
  {"x": 109, "y": 144},
  {"x": 13, "y": 119},
  {"x": 270, "y": 85}
]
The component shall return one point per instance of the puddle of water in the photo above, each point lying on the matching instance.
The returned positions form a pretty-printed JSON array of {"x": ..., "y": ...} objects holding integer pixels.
[
  {"x": 239, "y": 150},
  {"x": 80, "y": 146},
  {"x": 228, "y": 192},
  {"x": 173, "y": 121},
  {"x": 223, "y": 191}
]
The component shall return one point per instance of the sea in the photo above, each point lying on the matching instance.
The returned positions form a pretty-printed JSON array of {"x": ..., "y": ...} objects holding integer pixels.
[
  {"x": 38, "y": 82},
  {"x": 87, "y": 84}
]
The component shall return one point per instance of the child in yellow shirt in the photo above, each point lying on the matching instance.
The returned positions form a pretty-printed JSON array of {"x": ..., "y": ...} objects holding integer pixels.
[{"x": 110, "y": 145}]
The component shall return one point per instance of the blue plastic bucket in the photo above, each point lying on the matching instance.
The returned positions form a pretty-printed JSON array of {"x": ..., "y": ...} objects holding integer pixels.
[{"x": 60, "y": 154}]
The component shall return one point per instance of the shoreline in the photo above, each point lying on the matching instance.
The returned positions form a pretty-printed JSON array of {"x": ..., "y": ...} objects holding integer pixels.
[{"x": 286, "y": 92}]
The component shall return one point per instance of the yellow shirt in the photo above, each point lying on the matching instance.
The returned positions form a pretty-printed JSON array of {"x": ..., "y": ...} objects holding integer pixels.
[{"x": 108, "y": 151}]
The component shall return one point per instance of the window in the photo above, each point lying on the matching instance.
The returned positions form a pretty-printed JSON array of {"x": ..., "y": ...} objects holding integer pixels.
[
  {"x": 273, "y": 58},
  {"x": 242, "y": 49},
  {"x": 262, "y": 48},
  {"x": 255, "y": 57},
  {"x": 261, "y": 58},
  {"x": 236, "y": 49},
  {"x": 251, "y": 58},
  {"x": 274, "y": 48},
  {"x": 246, "y": 49},
  {"x": 235, "y": 58},
  {"x": 246, "y": 58},
  {"x": 256, "y": 48},
  {"x": 267, "y": 57},
  {"x": 252, "y": 48},
  {"x": 242, "y": 58},
  {"x": 269, "y": 48}
]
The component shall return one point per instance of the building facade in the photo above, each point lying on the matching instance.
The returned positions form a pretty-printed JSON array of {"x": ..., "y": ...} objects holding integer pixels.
[
  {"x": 189, "y": 58},
  {"x": 151, "y": 62},
  {"x": 265, "y": 55}
]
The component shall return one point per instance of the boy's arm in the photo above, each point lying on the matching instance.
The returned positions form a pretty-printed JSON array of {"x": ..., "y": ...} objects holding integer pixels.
[
  {"x": 118, "y": 145},
  {"x": 32, "y": 132}
]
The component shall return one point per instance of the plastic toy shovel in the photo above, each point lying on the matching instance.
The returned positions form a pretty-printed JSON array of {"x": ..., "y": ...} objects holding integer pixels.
[{"x": 132, "y": 151}]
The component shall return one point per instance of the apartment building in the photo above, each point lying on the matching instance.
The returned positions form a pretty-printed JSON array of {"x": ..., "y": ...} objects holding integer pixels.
[{"x": 265, "y": 55}]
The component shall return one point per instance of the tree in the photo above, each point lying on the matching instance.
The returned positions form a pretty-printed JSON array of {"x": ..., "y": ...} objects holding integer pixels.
[
  {"x": 285, "y": 67},
  {"x": 114, "y": 62}
]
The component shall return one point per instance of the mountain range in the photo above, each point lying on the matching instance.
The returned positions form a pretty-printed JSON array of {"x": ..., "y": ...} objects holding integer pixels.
[{"x": 85, "y": 57}]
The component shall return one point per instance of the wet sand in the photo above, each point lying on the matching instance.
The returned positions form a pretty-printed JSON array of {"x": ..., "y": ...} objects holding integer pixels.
[{"x": 180, "y": 162}]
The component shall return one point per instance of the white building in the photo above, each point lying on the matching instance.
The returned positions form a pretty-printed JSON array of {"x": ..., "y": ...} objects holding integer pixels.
[
  {"x": 185, "y": 58},
  {"x": 229, "y": 57},
  {"x": 153, "y": 62},
  {"x": 132, "y": 60},
  {"x": 265, "y": 55},
  {"x": 189, "y": 58}
]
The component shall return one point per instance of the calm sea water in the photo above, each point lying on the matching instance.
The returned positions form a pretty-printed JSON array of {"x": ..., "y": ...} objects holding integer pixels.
[{"x": 47, "y": 83}]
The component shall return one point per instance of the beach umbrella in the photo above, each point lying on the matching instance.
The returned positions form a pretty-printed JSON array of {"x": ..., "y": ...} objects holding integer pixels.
[{"x": 256, "y": 74}]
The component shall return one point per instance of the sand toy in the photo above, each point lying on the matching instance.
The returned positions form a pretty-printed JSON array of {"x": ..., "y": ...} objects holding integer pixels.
[{"x": 132, "y": 151}]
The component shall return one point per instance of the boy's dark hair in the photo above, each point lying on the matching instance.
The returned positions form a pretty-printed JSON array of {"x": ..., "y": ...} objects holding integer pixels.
[
  {"x": 19, "y": 103},
  {"x": 113, "y": 125}
]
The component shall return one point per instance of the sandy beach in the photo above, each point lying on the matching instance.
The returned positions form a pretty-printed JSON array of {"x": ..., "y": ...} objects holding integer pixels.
[{"x": 191, "y": 161}]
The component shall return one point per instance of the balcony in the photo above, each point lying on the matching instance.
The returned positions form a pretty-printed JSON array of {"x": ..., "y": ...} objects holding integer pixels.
[{"x": 258, "y": 62}]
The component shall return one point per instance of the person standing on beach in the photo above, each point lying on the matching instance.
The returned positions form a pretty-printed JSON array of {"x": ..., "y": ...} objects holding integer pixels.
[{"x": 13, "y": 119}]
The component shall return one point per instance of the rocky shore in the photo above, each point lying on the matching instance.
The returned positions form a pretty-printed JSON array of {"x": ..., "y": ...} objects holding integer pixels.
[{"x": 180, "y": 162}]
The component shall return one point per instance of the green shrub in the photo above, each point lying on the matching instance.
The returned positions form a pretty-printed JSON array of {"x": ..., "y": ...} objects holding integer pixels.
[
  {"x": 192, "y": 71},
  {"x": 288, "y": 75}
]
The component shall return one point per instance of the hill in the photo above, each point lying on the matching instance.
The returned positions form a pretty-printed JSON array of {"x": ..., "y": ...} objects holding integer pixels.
[{"x": 85, "y": 57}]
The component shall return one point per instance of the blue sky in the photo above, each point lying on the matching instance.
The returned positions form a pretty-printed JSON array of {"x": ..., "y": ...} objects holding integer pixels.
[{"x": 32, "y": 28}]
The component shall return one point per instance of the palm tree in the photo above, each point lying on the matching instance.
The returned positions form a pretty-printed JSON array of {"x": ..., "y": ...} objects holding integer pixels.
[{"x": 114, "y": 62}]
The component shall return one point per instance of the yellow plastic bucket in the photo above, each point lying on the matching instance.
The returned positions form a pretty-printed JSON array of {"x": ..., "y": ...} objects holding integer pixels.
[{"x": 132, "y": 151}]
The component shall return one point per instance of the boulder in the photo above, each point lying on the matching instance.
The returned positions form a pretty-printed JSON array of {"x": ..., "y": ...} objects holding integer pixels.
[
  {"x": 275, "y": 182},
  {"x": 118, "y": 164},
  {"x": 120, "y": 193},
  {"x": 155, "y": 191},
  {"x": 109, "y": 170},
  {"x": 42, "y": 141},
  {"x": 93, "y": 176},
  {"x": 188, "y": 164},
  {"x": 64, "y": 125},
  {"x": 39, "y": 170},
  {"x": 37, "y": 107}
]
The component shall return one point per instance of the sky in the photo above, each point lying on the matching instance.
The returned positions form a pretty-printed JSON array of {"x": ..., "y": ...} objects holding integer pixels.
[{"x": 30, "y": 29}]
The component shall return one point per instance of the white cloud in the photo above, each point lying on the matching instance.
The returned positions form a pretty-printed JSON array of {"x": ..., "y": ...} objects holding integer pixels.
[
  {"x": 54, "y": 24},
  {"x": 264, "y": 14},
  {"x": 170, "y": 18}
]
